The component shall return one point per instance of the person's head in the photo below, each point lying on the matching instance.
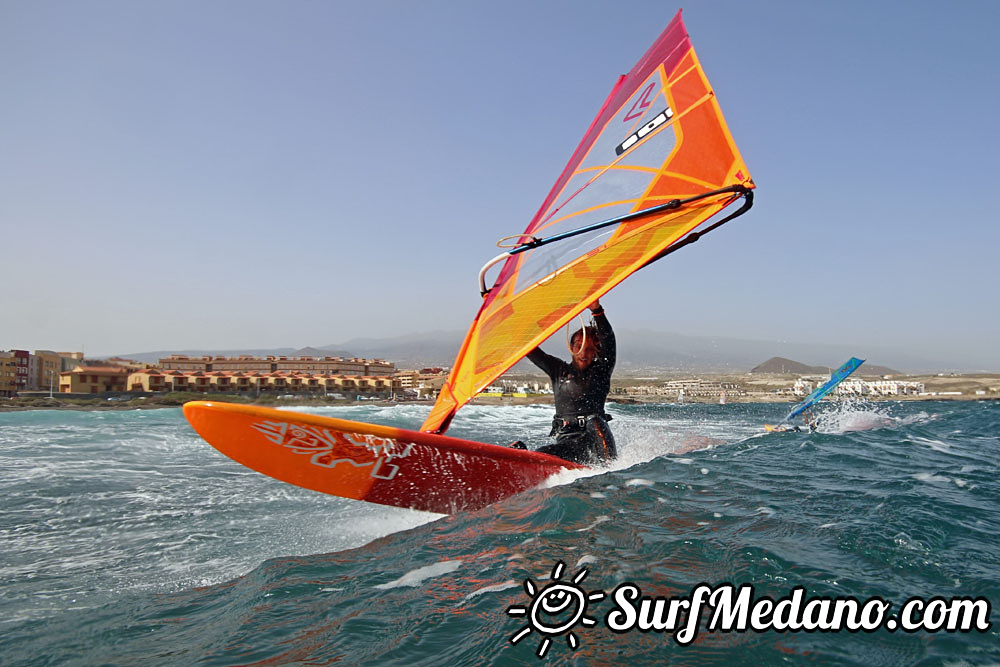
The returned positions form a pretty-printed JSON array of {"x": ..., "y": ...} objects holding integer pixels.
[{"x": 585, "y": 346}]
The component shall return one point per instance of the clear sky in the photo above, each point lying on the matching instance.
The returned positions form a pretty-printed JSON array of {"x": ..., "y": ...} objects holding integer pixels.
[{"x": 214, "y": 175}]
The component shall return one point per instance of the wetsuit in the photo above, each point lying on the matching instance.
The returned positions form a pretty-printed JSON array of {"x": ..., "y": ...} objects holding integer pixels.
[{"x": 580, "y": 425}]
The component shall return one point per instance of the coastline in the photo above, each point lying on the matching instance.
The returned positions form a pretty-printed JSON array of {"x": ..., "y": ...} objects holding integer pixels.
[
  {"x": 625, "y": 389},
  {"x": 100, "y": 405}
]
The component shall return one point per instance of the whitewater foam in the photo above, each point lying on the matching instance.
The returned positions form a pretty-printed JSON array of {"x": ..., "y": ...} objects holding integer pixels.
[{"x": 421, "y": 574}]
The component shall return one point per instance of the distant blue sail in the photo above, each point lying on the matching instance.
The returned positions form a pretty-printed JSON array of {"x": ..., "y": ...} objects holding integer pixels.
[{"x": 836, "y": 378}]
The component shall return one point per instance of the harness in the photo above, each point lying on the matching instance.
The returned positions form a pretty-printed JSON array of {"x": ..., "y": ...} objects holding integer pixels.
[{"x": 574, "y": 423}]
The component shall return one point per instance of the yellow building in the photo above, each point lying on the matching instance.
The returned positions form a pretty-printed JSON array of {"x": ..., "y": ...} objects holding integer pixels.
[
  {"x": 148, "y": 380},
  {"x": 8, "y": 374},
  {"x": 224, "y": 382},
  {"x": 15, "y": 372},
  {"x": 93, "y": 380}
]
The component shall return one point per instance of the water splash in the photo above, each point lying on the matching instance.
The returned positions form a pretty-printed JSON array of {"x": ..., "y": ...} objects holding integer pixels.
[{"x": 851, "y": 416}]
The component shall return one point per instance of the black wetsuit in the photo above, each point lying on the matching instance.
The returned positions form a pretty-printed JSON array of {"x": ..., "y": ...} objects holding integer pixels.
[{"x": 581, "y": 425}]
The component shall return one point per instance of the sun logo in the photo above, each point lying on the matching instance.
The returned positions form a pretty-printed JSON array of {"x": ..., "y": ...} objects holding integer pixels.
[{"x": 555, "y": 609}]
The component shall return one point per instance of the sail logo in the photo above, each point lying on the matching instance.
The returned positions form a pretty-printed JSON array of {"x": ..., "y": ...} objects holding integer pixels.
[
  {"x": 330, "y": 448},
  {"x": 658, "y": 120},
  {"x": 641, "y": 104}
]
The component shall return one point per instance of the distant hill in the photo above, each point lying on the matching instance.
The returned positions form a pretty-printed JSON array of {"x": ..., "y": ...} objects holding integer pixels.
[
  {"x": 781, "y": 365},
  {"x": 640, "y": 351},
  {"x": 429, "y": 349}
]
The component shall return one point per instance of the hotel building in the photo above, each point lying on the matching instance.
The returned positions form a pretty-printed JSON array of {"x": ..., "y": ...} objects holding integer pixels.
[{"x": 273, "y": 364}]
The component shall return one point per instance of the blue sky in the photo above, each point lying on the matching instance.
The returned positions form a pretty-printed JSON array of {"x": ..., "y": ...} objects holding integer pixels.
[{"x": 253, "y": 174}]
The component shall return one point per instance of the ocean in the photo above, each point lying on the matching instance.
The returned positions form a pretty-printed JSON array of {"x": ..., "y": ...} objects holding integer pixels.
[{"x": 125, "y": 539}]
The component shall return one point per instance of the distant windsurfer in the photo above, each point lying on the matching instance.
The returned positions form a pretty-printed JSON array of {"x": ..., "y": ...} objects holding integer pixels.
[
  {"x": 811, "y": 421},
  {"x": 581, "y": 387}
]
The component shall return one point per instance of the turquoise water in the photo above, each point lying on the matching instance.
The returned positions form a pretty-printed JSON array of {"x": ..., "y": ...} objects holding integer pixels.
[{"x": 124, "y": 539}]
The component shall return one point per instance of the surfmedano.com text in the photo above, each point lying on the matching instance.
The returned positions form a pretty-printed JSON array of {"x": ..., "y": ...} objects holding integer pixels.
[{"x": 730, "y": 609}]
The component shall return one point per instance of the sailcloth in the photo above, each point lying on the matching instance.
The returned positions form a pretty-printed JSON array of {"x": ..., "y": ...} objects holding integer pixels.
[
  {"x": 817, "y": 395},
  {"x": 657, "y": 163}
]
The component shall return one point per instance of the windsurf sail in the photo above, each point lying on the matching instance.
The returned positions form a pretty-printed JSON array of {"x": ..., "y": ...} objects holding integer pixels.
[
  {"x": 653, "y": 171},
  {"x": 817, "y": 395}
]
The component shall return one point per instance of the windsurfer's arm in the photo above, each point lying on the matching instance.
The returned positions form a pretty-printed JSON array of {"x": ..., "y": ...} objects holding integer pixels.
[
  {"x": 609, "y": 347},
  {"x": 543, "y": 360}
]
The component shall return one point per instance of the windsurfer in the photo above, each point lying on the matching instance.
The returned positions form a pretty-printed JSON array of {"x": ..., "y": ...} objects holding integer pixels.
[
  {"x": 581, "y": 387},
  {"x": 811, "y": 420}
]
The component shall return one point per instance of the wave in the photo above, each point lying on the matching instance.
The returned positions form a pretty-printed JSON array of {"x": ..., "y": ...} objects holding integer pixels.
[{"x": 179, "y": 555}]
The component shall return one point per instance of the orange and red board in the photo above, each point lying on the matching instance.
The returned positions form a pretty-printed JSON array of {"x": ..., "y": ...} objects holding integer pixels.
[{"x": 378, "y": 464}]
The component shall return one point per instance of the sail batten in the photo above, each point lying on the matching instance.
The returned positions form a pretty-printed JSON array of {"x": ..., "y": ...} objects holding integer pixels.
[{"x": 656, "y": 164}]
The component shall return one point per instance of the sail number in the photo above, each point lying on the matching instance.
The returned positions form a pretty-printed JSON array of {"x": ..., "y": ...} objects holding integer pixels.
[{"x": 633, "y": 138}]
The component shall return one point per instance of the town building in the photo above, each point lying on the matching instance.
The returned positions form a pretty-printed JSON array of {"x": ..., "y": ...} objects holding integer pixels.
[
  {"x": 93, "y": 379},
  {"x": 21, "y": 371},
  {"x": 424, "y": 383},
  {"x": 68, "y": 372},
  {"x": 802, "y": 387},
  {"x": 856, "y": 387},
  {"x": 8, "y": 374},
  {"x": 15, "y": 372},
  {"x": 699, "y": 388},
  {"x": 44, "y": 369},
  {"x": 258, "y": 383},
  {"x": 275, "y": 364},
  {"x": 130, "y": 364}
]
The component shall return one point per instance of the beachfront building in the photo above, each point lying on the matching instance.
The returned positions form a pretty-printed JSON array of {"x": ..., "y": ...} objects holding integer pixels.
[
  {"x": 15, "y": 372},
  {"x": 152, "y": 380},
  {"x": 643, "y": 390},
  {"x": 93, "y": 379},
  {"x": 45, "y": 367},
  {"x": 130, "y": 364},
  {"x": 802, "y": 387},
  {"x": 424, "y": 383},
  {"x": 699, "y": 388},
  {"x": 8, "y": 371},
  {"x": 857, "y": 387},
  {"x": 276, "y": 364},
  {"x": 517, "y": 387},
  {"x": 149, "y": 380},
  {"x": 411, "y": 379},
  {"x": 21, "y": 371},
  {"x": 11, "y": 375}
]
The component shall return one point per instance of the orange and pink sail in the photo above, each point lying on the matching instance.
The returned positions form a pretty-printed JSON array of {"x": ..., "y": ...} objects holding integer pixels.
[{"x": 654, "y": 170}]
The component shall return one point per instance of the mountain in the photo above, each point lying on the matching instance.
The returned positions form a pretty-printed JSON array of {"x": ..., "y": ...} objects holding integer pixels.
[
  {"x": 782, "y": 365},
  {"x": 787, "y": 366},
  {"x": 423, "y": 350},
  {"x": 639, "y": 351}
]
